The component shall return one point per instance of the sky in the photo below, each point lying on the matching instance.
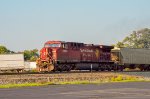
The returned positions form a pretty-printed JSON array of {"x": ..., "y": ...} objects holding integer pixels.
[{"x": 28, "y": 24}]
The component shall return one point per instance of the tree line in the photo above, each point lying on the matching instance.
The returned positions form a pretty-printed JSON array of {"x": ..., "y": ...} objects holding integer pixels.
[{"x": 136, "y": 39}]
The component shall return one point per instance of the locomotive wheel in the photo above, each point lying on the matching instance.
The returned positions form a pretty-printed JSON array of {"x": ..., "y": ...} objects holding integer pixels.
[
  {"x": 109, "y": 69},
  {"x": 148, "y": 68},
  {"x": 60, "y": 68},
  {"x": 98, "y": 69},
  {"x": 115, "y": 68},
  {"x": 121, "y": 68},
  {"x": 102, "y": 69},
  {"x": 69, "y": 68},
  {"x": 73, "y": 67}
]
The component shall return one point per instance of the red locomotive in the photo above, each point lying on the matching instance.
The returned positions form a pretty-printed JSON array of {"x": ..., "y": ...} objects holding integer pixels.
[{"x": 66, "y": 56}]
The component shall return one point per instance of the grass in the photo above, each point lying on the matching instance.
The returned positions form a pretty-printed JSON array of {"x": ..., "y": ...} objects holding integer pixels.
[
  {"x": 119, "y": 78},
  {"x": 61, "y": 83},
  {"x": 24, "y": 85}
]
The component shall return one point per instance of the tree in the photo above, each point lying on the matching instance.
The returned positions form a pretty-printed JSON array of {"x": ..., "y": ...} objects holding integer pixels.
[
  {"x": 137, "y": 39},
  {"x": 31, "y": 55},
  {"x": 4, "y": 50},
  {"x": 119, "y": 45}
]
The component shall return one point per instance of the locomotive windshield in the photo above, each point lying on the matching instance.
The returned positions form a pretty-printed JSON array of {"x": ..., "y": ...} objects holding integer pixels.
[{"x": 52, "y": 45}]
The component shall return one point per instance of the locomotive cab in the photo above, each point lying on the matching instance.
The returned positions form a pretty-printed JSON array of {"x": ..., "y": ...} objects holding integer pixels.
[{"x": 48, "y": 50}]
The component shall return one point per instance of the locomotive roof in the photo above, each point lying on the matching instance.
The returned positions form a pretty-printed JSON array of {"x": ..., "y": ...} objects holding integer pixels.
[
  {"x": 62, "y": 42},
  {"x": 54, "y": 42},
  {"x": 101, "y": 46}
]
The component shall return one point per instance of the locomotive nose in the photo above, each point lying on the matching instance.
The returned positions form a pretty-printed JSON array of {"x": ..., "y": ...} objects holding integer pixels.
[{"x": 45, "y": 53}]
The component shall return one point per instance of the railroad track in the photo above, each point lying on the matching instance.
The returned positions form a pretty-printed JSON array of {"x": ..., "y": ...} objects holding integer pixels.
[
  {"x": 135, "y": 73},
  {"x": 47, "y": 72},
  {"x": 53, "y": 72},
  {"x": 56, "y": 77}
]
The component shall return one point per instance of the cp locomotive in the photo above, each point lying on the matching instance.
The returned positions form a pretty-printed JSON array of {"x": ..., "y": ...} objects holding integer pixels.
[{"x": 66, "y": 56}]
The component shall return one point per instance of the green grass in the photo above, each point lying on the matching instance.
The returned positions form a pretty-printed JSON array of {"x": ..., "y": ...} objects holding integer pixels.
[
  {"x": 62, "y": 83},
  {"x": 24, "y": 85}
]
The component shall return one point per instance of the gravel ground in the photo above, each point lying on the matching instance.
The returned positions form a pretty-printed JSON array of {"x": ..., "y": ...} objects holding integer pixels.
[
  {"x": 25, "y": 78},
  {"x": 66, "y": 77}
]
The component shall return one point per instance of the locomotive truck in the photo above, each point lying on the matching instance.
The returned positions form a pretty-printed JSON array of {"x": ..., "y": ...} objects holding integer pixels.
[{"x": 66, "y": 56}]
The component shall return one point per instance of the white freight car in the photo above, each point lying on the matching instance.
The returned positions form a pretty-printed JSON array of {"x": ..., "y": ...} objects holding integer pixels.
[
  {"x": 11, "y": 62},
  {"x": 30, "y": 66}
]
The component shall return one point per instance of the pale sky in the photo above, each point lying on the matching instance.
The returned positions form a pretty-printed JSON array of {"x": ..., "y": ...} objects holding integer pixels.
[{"x": 28, "y": 24}]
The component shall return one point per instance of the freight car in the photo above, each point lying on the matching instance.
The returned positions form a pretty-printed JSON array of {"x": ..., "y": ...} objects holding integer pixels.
[
  {"x": 11, "y": 62},
  {"x": 132, "y": 58},
  {"x": 66, "y": 56}
]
